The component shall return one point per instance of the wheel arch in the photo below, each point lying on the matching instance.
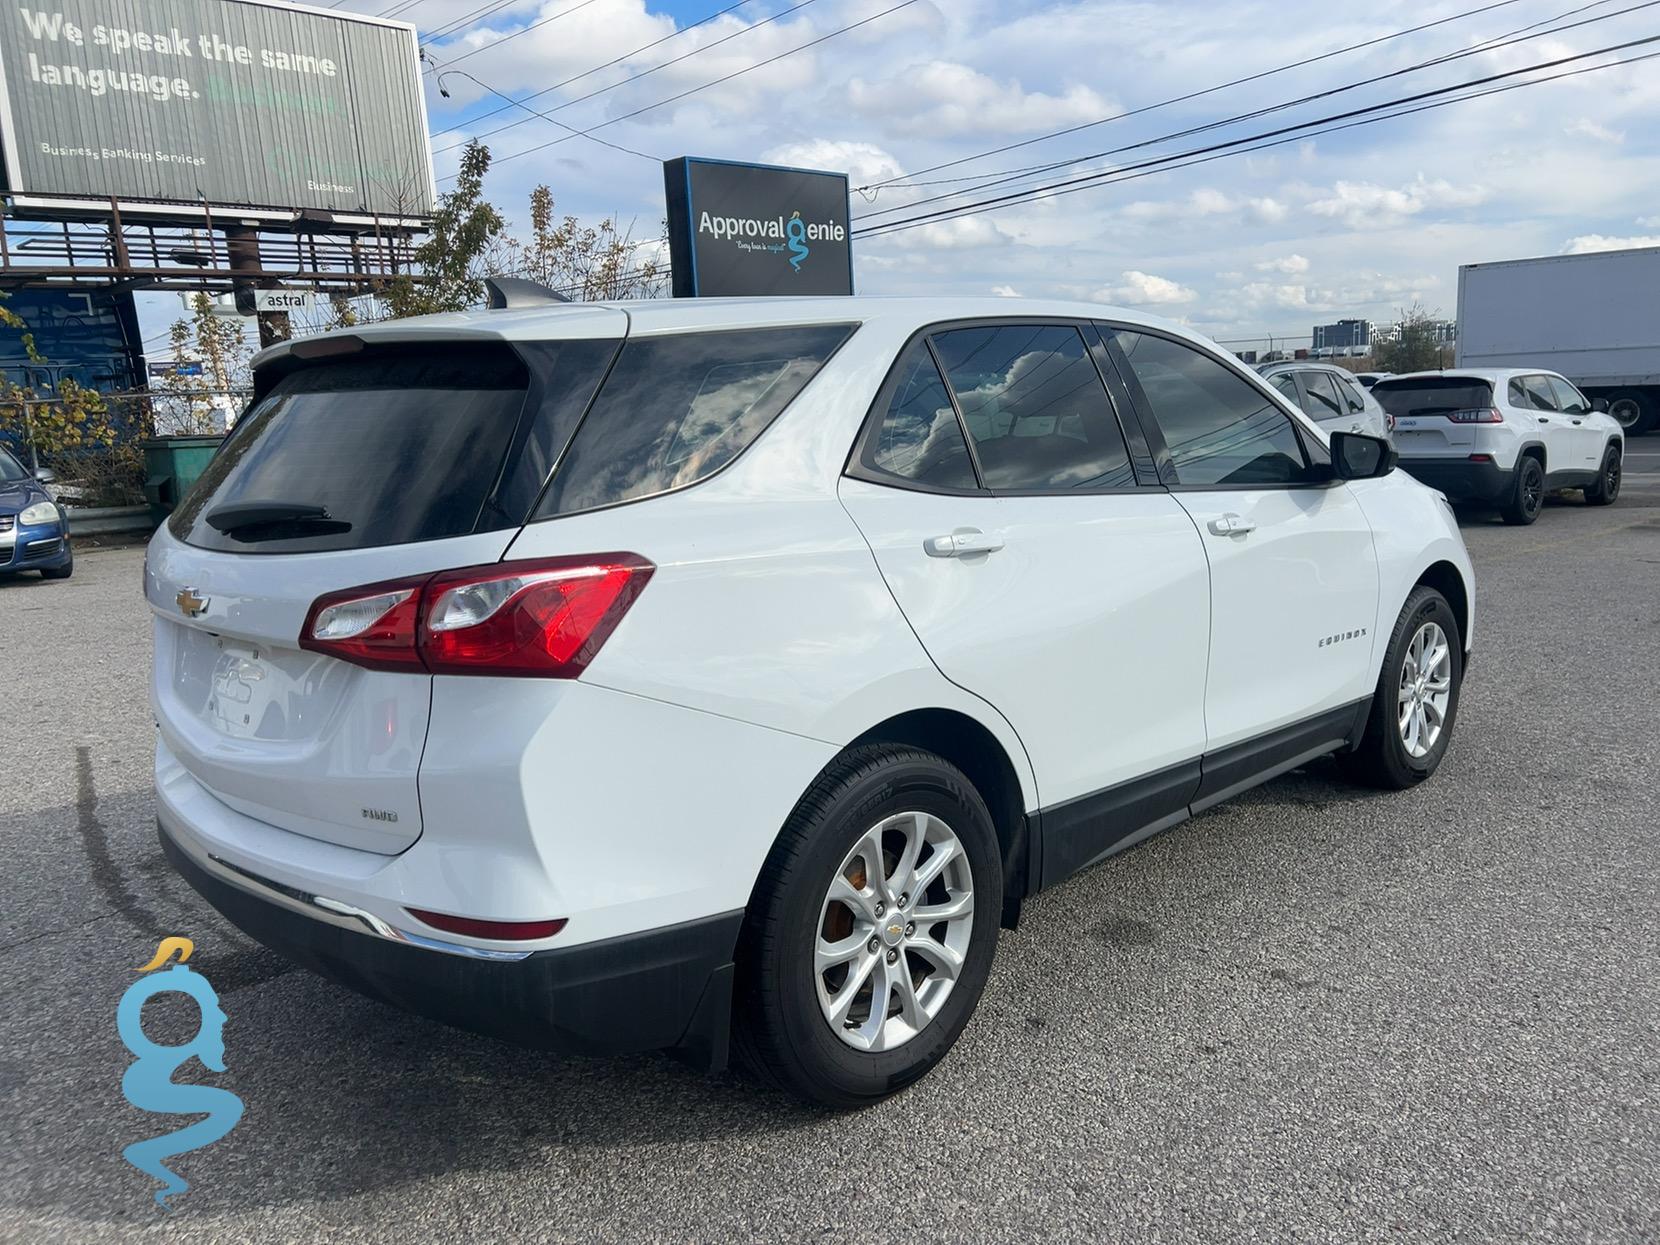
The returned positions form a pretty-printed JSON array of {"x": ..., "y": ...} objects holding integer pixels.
[
  {"x": 1448, "y": 580},
  {"x": 1533, "y": 449},
  {"x": 973, "y": 748}
]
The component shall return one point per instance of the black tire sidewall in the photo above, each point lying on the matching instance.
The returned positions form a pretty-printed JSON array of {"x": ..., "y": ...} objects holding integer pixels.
[
  {"x": 1424, "y": 605},
  {"x": 839, "y": 1074}
]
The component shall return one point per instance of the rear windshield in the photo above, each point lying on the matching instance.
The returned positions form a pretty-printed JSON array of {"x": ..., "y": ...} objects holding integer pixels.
[
  {"x": 676, "y": 409},
  {"x": 1432, "y": 395},
  {"x": 393, "y": 446}
]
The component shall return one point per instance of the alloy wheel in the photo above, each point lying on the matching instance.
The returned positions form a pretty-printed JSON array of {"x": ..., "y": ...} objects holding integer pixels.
[
  {"x": 1611, "y": 477},
  {"x": 1425, "y": 690},
  {"x": 893, "y": 931},
  {"x": 1533, "y": 490}
]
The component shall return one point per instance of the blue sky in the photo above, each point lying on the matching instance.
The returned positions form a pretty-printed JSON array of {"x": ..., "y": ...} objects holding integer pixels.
[{"x": 1356, "y": 223}]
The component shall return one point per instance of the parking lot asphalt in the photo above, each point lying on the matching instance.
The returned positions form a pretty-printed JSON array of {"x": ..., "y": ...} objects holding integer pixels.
[{"x": 1311, "y": 1014}]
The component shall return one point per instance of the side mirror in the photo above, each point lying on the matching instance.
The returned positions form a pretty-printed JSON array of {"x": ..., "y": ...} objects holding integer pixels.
[
  {"x": 46, "y": 475},
  {"x": 1355, "y": 456},
  {"x": 1600, "y": 405}
]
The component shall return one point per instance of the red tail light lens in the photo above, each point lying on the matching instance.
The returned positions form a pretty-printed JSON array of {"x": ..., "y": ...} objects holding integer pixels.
[
  {"x": 502, "y": 931},
  {"x": 545, "y": 618},
  {"x": 371, "y": 626},
  {"x": 1477, "y": 415}
]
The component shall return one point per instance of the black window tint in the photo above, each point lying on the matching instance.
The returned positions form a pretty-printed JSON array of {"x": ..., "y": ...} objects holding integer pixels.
[
  {"x": 395, "y": 446},
  {"x": 1035, "y": 407},
  {"x": 1323, "y": 402},
  {"x": 1434, "y": 395},
  {"x": 1219, "y": 428},
  {"x": 919, "y": 438},
  {"x": 10, "y": 469},
  {"x": 1568, "y": 398},
  {"x": 1539, "y": 396},
  {"x": 1286, "y": 383},
  {"x": 676, "y": 409},
  {"x": 1352, "y": 394}
]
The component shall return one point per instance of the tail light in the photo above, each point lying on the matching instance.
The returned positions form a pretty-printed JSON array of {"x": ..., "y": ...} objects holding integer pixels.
[
  {"x": 1477, "y": 415},
  {"x": 541, "y": 619}
]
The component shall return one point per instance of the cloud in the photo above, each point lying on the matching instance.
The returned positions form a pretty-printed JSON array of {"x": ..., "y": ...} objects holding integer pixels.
[
  {"x": 961, "y": 234},
  {"x": 1143, "y": 289},
  {"x": 1005, "y": 291},
  {"x": 1206, "y": 202},
  {"x": 1366, "y": 205},
  {"x": 1588, "y": 242},
  {"x": 1648, "y": 222},
  {"x": 945, "y": 99},
  {"x": 1290, "y": 265},
  {"x": 1587, "y": 128}
]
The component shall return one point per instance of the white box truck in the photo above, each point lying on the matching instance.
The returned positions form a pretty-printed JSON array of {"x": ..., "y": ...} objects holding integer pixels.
[{"x": 1594, "y": 318}]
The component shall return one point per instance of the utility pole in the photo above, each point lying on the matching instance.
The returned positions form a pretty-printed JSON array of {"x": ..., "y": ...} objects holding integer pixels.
[{"x": 242, "y": 246}]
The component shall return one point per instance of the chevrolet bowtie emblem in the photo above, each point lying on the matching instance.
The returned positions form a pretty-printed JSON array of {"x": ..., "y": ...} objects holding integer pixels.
[{"x": 191, "y": 605}]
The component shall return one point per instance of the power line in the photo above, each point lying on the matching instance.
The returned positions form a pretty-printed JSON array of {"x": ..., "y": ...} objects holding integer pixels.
[
  {"x": 1178, "y": 99},
  {"x": 575, "y": 133},
  {"x": 737, "y": 73},
  {"x": 525, "y": 30},
  {"x": 1239, "y": 146},
  {"x": 644, "y": 73},
  {"x": 588, "y": 72},
  {"x": 479, "y": 14},
  {"x": 1491, "y": 46}
]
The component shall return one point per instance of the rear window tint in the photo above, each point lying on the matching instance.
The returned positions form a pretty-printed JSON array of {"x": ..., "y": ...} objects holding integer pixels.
[
  {"x": 676, "y": 409},
  {"x": 1432, "y": 395},
  {"x": 386, "y": 448}
]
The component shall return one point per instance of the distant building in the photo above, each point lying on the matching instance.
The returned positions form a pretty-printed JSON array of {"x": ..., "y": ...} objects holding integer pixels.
[
  {"x": 1346, "y": 337},
  {"x": 1247, "y": 356}
]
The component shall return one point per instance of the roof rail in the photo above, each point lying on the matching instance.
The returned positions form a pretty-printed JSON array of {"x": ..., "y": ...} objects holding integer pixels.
[{"x": 508, "y": 292}]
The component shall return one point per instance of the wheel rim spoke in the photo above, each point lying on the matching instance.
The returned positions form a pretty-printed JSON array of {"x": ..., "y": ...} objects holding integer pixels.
[
  {"x": 1425, "y": 689},
  {"x": 882, "y": 979}
]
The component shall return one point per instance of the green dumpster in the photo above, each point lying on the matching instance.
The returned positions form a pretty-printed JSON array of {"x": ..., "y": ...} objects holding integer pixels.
[{"x": 171, "y": 466}]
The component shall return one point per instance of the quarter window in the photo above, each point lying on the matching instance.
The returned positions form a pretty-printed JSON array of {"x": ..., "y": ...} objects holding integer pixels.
[
  {"x": 1353, "y": 395},
  {"x": 919, "y": 438},
  {"x": 1035, "y": 408},
  {"x": 1219, "y": 428},
  {"x": 1286, "y": 383}
]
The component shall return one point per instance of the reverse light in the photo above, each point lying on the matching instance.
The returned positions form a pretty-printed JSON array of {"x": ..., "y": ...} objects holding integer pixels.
[
  {"x": 502, "y": 931},
  {"x": 1477, "y": 415},
  {"x": 541, "y": 619}
]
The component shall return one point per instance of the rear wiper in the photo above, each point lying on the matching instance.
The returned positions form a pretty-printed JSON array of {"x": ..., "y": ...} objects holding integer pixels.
[{"x": 240, "y": 515}]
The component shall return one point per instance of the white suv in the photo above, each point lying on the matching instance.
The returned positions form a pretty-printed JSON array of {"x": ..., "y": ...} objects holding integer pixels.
[
  {"x": 603, "y": 675},
  {"x": 1504, "y": 437}
]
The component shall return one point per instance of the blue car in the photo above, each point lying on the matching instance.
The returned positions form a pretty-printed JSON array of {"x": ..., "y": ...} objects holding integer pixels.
[{"x": 34, "y": 531}]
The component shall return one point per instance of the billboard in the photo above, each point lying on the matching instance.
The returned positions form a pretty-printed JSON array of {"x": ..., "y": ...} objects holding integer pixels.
[
  {"x": 756, "y": 229},
  {"x": 245, "y": 104}
]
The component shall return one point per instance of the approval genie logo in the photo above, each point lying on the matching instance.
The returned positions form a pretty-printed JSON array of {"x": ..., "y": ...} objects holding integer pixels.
[
  {"x": 773, "y": 234},
  {"x": 796, "y": 231},
  {"x": 148, "y": 1083}
]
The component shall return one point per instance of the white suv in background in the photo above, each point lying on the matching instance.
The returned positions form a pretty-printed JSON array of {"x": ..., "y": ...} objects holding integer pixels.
[
  {"x": 1332, "y": 397},
  {"x": 610, "y": 677},
  {"x": 1504, "y": 437}
]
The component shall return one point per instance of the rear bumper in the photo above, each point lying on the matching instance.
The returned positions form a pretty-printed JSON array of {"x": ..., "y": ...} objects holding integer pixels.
[
  {"x": 662, "y": 989},
  {"x": 1462, "y": 480}
]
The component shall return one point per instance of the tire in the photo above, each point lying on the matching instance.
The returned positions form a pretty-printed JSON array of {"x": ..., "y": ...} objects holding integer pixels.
[
  {"x": 782, "y": 1028},
  {"x": 1634, "y": 410},
  {"x": 1384, "y": 758},
  {"x": 1527, "y": 493},
  {"x": 1606, "y": 491},
  {"x": 60, "y": 572}
]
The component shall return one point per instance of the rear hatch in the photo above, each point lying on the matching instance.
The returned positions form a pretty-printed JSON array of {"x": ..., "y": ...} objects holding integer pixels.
[
  {"x": 376, "y": 461},
  {"x": 1424, "y": 408}
]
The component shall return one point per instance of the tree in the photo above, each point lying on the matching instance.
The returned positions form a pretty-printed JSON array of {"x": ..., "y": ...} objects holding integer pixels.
[
  {"x": 1414, "y": 347},
  {"x": 465, "y": 228},
  {"x": 587, "y": 263},
  {"x": 205, "y": 403}
]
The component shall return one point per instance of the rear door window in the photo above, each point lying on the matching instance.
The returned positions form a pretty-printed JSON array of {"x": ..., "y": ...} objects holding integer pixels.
[
  {"x": 1035, "y": 407},
  {"x": 1539, "y": 396},
  {"x": 384, "y": 448},
  {"x": 678, "y": 408},
  {"x": 1323, "y": 399}
]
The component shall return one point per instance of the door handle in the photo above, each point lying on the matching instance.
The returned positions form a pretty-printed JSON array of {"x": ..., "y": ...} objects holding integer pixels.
[
  {"x": 1231, "y": 525},
  {"x": 1544, "y": 419},
  {"x": 962, "y": 543}
]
